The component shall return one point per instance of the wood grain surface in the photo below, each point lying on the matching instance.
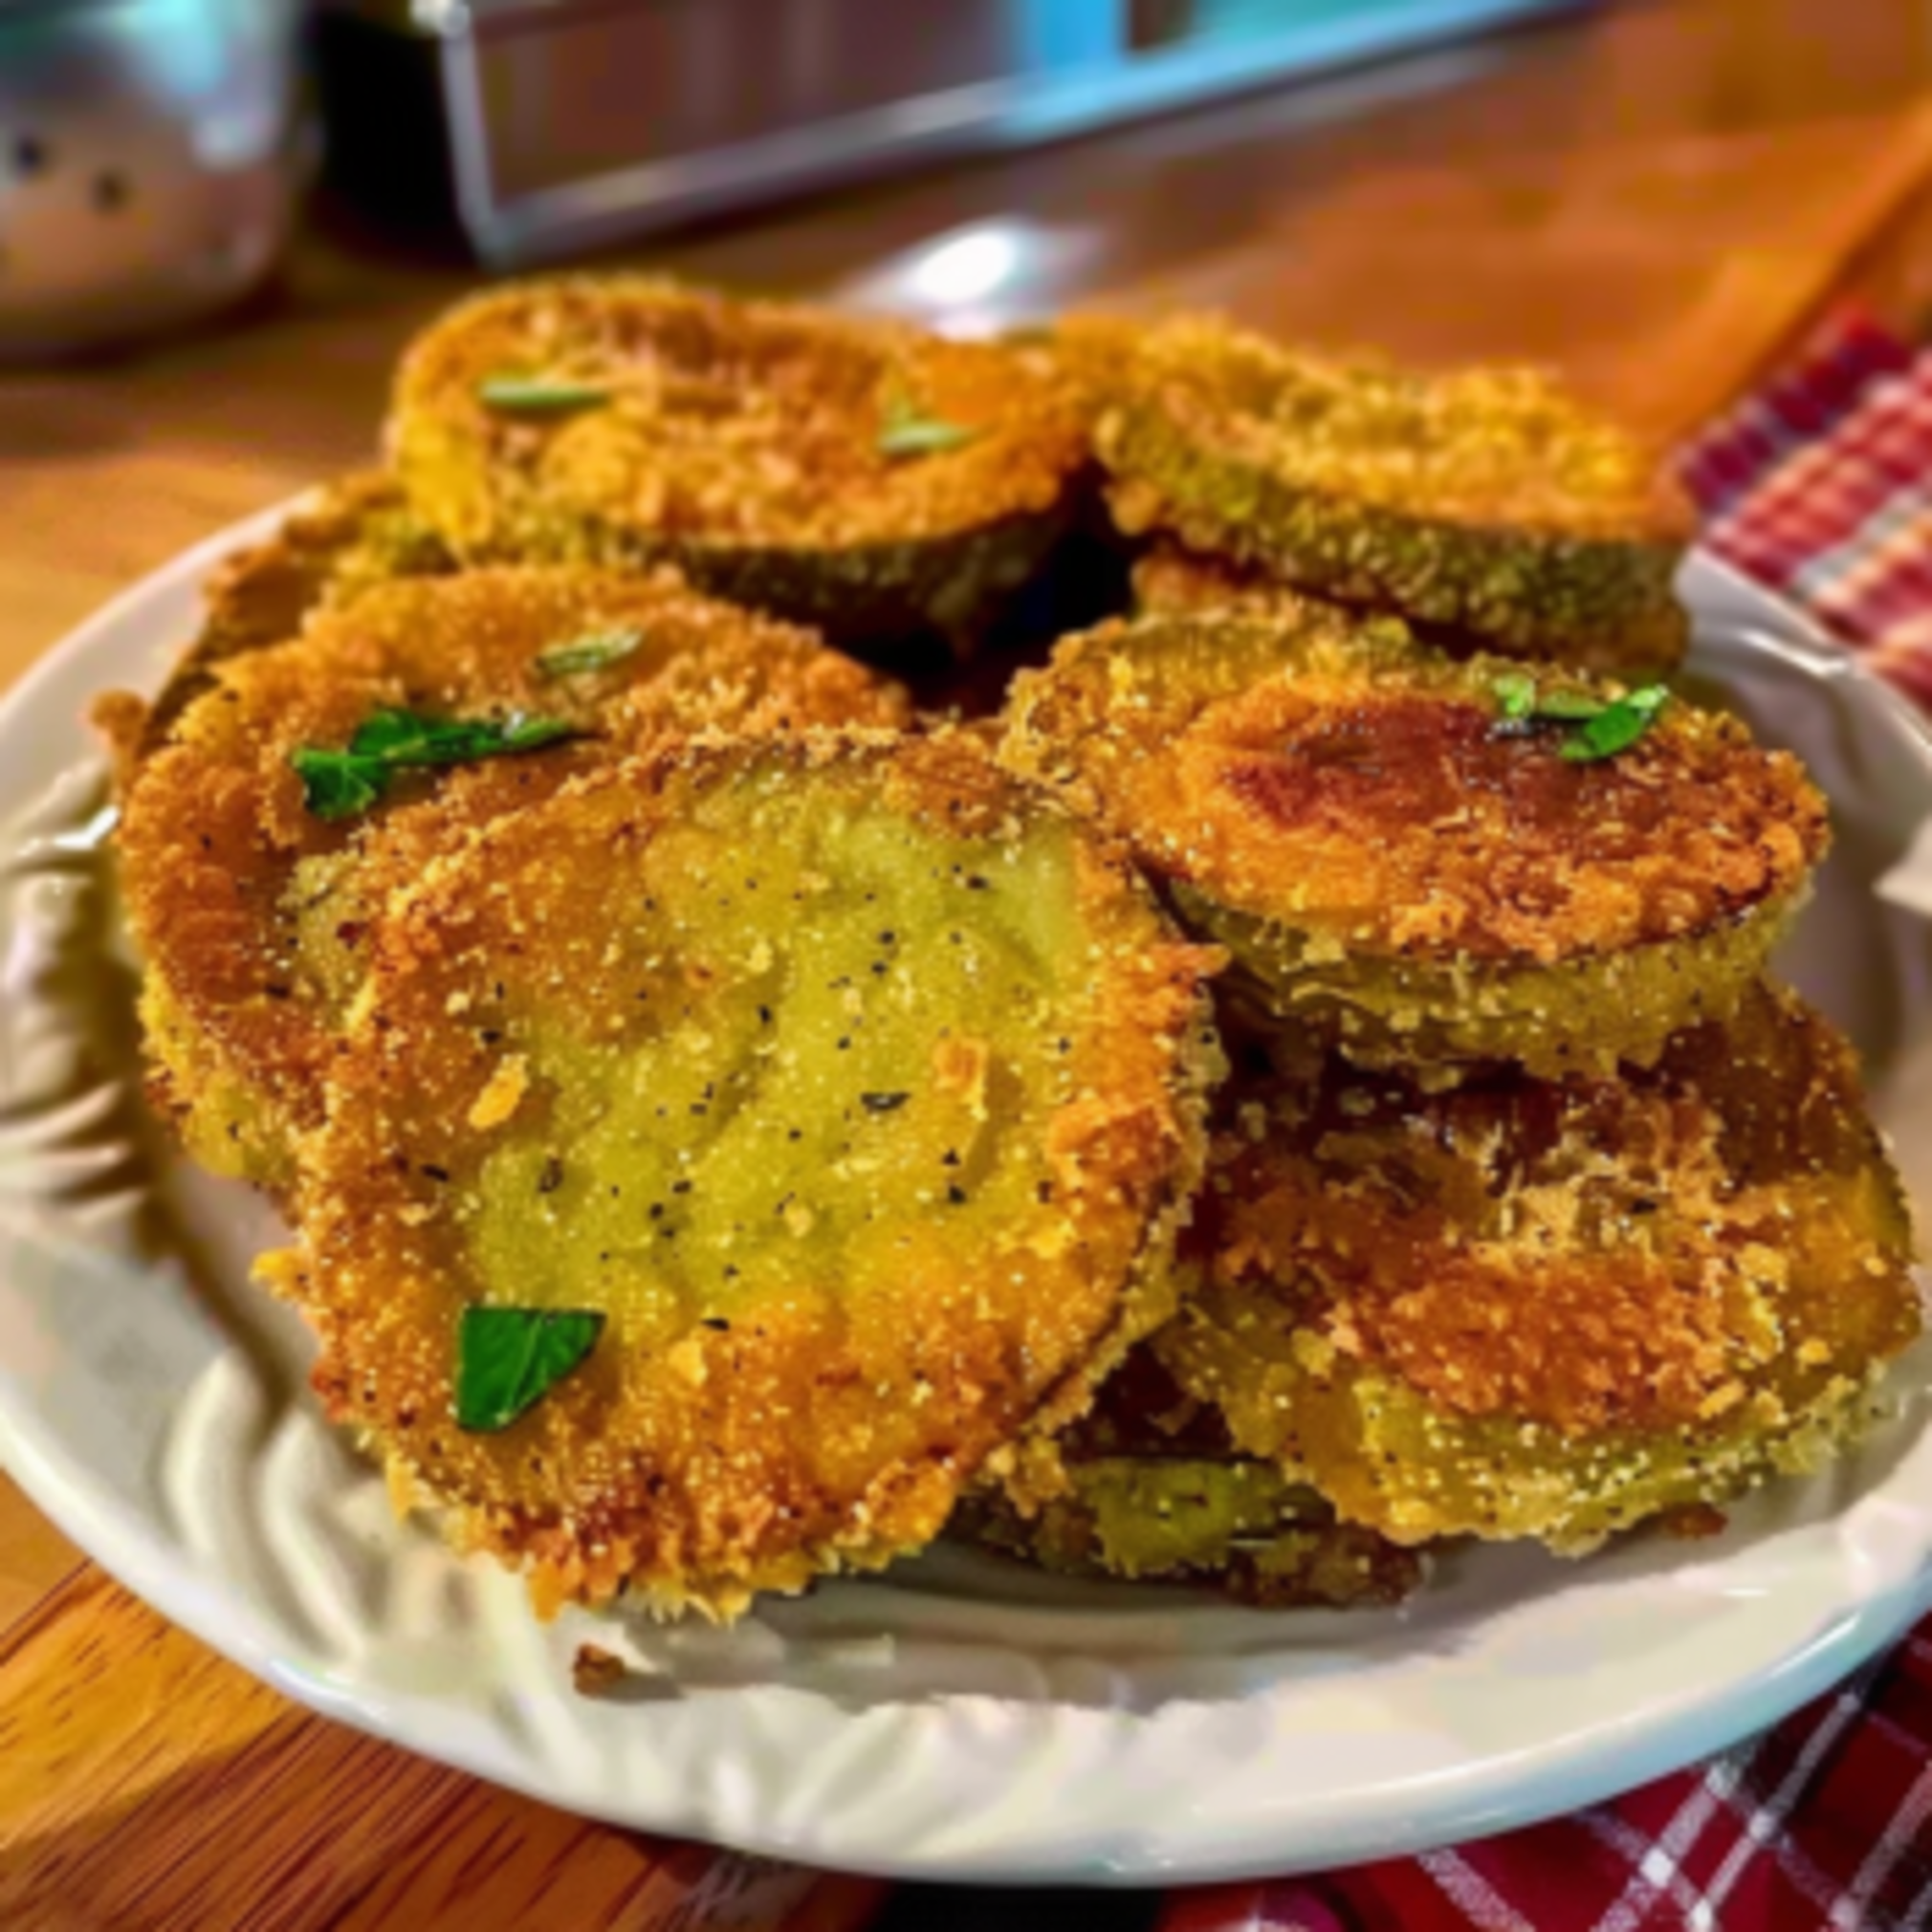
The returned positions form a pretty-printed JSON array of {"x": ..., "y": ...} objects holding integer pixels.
[{"x": 1655, "y": 198}]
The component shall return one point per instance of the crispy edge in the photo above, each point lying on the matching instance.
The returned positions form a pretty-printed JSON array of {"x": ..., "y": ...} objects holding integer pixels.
[{"x": 1169, "y": 580}]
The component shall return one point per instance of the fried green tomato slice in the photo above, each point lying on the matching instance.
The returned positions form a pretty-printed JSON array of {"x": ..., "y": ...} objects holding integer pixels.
[
  {"x": 246, "y": 902},
  {"x": 1486, "y": 500},
  {"x": 858, "y": 476},
  {"x": 1155, "y": 1490},
  {"x": 1524, "y": 1309},
  {"x": 855, "y": 1089},
  {"x": 1393, "y": 859},
  {"x": 351, "y": 536}
]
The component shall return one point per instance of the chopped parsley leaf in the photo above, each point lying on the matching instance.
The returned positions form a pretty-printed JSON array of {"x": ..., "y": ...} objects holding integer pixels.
[
  {"x": 594, "y": 650},
  {"x": 902, "y": 431},
  {"x": 1604, "y": 726},
  {"x": 540, "y": 395},
  {"x": 508, "y": 1359},
  {"x": 339, "y": 783},
  {"x": 1616, "y": 726},
  {"x": 1516, "y": 693}
]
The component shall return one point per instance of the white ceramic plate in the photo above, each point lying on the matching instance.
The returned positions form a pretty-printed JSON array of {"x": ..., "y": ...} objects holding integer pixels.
[{"x": 959, "y": 1718}]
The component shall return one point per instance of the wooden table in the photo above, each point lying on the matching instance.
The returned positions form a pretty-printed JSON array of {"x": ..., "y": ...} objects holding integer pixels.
[{"x": 1655, "y": 198}]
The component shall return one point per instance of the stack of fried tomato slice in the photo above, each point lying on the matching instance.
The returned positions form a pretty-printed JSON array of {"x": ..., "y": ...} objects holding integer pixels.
[
  {"x": 1537, "y": 1210},
  {"x": 736, "y": 1127}
]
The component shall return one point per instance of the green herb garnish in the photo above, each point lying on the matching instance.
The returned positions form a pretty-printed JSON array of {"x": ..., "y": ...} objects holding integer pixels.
[
  {"x": 922, "y": 436},
  {"x": 336, "y": 785},
  {"x": 902, "y": 431},
  {"x": 540, "y": 395},
  {"x": 508, "y": 1359},
  {"x": 883, "y": 1103},
  {"x": 1605, "y": 726},
  {"x": 1616, "y": 726},
  {"x": 594, "y": 650},
  {"x": 1516, "y": 693}
]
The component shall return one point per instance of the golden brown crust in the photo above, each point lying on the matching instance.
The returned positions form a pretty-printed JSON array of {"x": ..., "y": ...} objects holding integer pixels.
[
  {"x": 215, "y": 836},
  {"x": 349, "y": 537},
  {"x": 742, "y": 441},
  {"x": 830, "y": 1306},
  {"x": 1339, "y": 803},
  {"x": 1483, "y": 499},
  {"x": 1172, "y": 581},
  {"x": 1169, "y": 580},
  {"x": 1513, "y": 1307}
]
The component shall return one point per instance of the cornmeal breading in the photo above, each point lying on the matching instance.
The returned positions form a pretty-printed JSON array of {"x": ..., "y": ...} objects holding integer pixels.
[{"x": 1484, "y": 500}]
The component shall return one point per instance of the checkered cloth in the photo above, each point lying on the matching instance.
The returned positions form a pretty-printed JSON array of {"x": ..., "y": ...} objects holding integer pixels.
[{"x": 1820, "y": 486}]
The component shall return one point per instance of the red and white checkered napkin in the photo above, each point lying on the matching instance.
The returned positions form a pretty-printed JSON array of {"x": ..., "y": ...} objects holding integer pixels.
[{"x": 1820, "y": 486}]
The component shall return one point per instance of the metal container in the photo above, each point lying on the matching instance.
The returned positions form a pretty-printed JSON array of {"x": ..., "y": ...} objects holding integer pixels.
[
  {"x": 536, "y": 129},
  {"x": 147, "y": 163}
]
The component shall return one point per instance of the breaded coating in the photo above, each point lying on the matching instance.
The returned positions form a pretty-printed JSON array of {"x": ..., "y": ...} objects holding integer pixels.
[
  {"x": 1172, "y": 581},
  {"x": 1155, "y": 1490},
  {"x": 248, "y": 907},
  {"x": 1090, "y": 356},
  {"x": 858, "y": 1089},
  {"x": 1391, "y": 857},
  {"x": 349, "y": 537},
  {"x": 1486, "y": 500},
  {"x": 1523, "y": 1308},
  {"x": 856, "y": 475}
]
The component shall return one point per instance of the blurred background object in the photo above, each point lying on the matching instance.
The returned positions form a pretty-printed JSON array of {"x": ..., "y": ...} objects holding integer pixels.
[
  {"x": 147, "y": 163},
  {"x": 533, "y": 129}
]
